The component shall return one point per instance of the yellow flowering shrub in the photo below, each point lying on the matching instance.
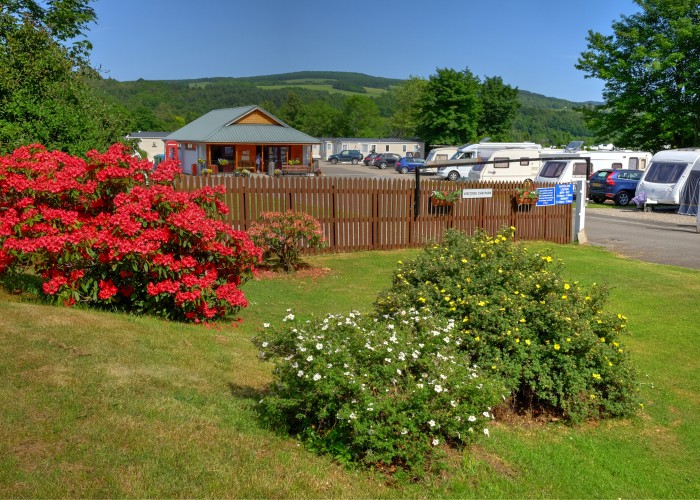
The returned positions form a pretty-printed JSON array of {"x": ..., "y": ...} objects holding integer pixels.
[{"x": 551, "y": 341}]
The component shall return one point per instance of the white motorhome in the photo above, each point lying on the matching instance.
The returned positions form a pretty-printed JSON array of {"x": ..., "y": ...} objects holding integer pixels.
[
  {"x": 666, "y": 179},
  {"x": 526, "y": 166},
  {"x": 468, "y": 155},
  {"x": 569, "y": 167},
  {"x": 437, "y": 155}
]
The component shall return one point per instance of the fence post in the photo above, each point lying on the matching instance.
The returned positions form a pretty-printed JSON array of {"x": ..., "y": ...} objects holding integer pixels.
[{"x": 580, "y": 215}]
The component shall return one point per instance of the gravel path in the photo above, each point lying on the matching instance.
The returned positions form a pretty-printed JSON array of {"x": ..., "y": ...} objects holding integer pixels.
[{"x": 664, "y": 216}]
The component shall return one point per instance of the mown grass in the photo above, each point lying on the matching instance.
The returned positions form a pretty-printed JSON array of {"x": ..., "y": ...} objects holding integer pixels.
[{"x": 94, "y": 404}]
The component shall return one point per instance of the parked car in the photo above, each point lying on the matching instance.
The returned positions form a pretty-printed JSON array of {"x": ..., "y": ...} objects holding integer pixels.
[
  {"x": 347, "y": 155},
  {"x": 410, "y": 164},
  {"x": 616, "y": 185},
  {"x": 369, "y": 159},
  {"x": 385, "y": 159}
]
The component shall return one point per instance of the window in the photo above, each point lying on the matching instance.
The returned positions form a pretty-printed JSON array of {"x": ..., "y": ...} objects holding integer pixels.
[
  {"x": 665, "y": 173},
  {"x": 524, "y": 161},
  {"x": 386, "y": 148},
  {"x": 553, "y": 169},
  {"x": 364, "y": 148},
  {"x": 616, "y": 166},
  {"x": 634, "y": 163},
  {"x": 404, "y": 148},
  {"x": 580, "y": 168},
  {"x": 501, "y": 163},
  {"x": 154, "y": 145}
]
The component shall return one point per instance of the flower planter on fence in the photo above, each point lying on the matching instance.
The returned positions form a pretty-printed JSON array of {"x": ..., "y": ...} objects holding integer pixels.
[{"x": 440, "y": 203}]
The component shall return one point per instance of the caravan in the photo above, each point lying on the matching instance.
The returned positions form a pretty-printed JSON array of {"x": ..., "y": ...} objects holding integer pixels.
[
  {"x": 438, "y": 155},
  {"x": 468, "y": 155},
  {"x": 673, "y": 178},
  {"x": 526, "y": 166},
  {"x": 569, "y": 167}
]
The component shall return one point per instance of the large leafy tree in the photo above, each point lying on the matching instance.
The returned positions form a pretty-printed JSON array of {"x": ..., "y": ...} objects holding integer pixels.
[
  {"x": 44, "y": 93},
  {"x": 450, "y": 108},
  {"x": 499, "y": 106},
  {"x": 405, "y": 101},
  {"x": 360, "y": 117},
  {"x": 651, "y": 68}
]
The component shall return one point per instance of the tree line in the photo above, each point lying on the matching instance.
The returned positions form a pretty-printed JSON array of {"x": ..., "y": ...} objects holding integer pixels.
[{"x": 50, "y": 94}]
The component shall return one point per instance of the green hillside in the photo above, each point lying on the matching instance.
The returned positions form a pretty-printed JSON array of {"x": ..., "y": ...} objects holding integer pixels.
[{"x": 170, "y": 104}]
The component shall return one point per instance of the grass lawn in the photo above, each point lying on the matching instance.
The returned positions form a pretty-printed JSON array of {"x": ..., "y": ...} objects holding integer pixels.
[{"x": 94, "y": 404}]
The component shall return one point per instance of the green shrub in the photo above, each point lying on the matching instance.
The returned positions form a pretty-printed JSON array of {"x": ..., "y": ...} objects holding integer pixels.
[
  {"x": 385, "y": 391},
  {"x": 549, "y": 339},
  {"x": 285, "y": 234}
]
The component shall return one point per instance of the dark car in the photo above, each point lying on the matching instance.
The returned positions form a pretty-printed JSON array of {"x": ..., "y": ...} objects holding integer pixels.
[
  {"x": 410, "y": 164},
  {"x": 616, "y": 185},
  {"x": 385, "y": 159},
  {"x": 369, "y": 159},
  {"x": 347, "y": 155}
]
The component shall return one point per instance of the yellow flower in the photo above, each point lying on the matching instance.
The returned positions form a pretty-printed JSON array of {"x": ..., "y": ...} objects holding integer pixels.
[
  {"x": 602, "y": 339},
  {"x": 596, "y": 376},
  {"x": 568, "y": 339},
  {"x": 527, "y": 341},
  {"x": 464, "y": 261},
  {"x": 557, "y": 347},
  {"x": 563, "y": 297},
  {"x": 477, "y": 338},
  {"x": 481, "y": 303},
  {"x": 517, "y": 341},
  {"x": 421, "y": 299},
  {"x": 522, "y": 320},
  {"x": 566, "y": 286}
]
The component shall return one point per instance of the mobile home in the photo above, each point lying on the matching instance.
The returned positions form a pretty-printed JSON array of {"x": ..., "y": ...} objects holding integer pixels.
[
  {"x": 468, "y": 155},
  {"x": 568, "y": 167},
  {"x": 672, "y": 179}
]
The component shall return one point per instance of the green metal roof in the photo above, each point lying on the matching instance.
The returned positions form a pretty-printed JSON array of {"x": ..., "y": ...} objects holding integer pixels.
[{"x": 217, "y": 127}]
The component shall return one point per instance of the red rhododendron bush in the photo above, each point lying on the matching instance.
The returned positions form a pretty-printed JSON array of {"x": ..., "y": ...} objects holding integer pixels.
[{"x": 108, "y": 231}]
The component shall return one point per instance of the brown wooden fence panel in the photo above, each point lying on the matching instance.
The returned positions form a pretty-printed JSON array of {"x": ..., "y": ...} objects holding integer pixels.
[{"x": 378, "y": 214}]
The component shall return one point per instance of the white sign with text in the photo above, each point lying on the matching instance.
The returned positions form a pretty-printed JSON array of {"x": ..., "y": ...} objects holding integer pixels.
[{"x": 477, "y": 193}]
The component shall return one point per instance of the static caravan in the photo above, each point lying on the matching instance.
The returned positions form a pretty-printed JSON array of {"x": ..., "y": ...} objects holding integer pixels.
[
  {"x": 673, "y": 178},
  {"x": 526, "y": 167},
  {"x": 469, "y": 155},
  {"x": 568, "y": 167}
]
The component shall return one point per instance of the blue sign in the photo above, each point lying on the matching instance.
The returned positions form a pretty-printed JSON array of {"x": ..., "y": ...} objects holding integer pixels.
[
  {"x": 546, "y": 197},
  {"x": 561, "y": 194},
  {"x": 564, "y": 194}
]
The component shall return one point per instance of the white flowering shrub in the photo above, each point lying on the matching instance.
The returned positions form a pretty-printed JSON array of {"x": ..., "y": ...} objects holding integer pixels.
[
  {"x": 385, "y": 391},
  {"x": 551, "y": 340}
]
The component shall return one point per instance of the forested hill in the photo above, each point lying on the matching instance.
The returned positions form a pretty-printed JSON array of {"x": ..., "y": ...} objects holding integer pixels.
[{"x": 170, "y": 104}]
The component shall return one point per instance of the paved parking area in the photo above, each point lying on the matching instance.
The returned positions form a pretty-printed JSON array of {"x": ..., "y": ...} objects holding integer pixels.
[{"x": 361, "y": 170}]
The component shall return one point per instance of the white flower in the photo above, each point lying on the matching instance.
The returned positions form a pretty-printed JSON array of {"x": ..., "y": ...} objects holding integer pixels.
[
  {"x": 443, "y": 377},
  {"x": 317, "y": 376},
  {"x": 486, "y": 432},
  {"x": 438, "y": 388},
  {"x": 436, "y": 442},
  {"x": 404, "y": 431},
  {"x": 266, "y": 325},
  {"x": 453, "y": 404},
  {"x": 431, "y": 423},
  {"x": 300, "y": 373},
  {"x": 319, "y": 346},
  {"x": 309, "y": 358},
  {"x": 472, "y": 418},
  {"x": 288, "y": 317},
  {"x": 353, "y": 416},
  {"x": 398, "y": 370},
  {"x": 486, "y": 414},
  {"x": 264, "y": 344}
]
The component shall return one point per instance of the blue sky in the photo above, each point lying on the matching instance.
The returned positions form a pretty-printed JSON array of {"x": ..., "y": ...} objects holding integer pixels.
[{"x": 532, "y": 45}]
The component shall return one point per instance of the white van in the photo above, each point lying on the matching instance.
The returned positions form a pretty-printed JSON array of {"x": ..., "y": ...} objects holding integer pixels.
[
  {"x": 569, "y": 167},
  {"x": 527, "y": 167},
  {"x": 665, "y": 180},
  {"x": 439, "y": 154},
  {"x": 468, "y": 155}
]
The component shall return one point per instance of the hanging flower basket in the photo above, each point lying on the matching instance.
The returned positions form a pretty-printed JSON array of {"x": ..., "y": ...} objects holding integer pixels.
[
  {"x": 436, "y": 202},
  {"x": 527, "y": 194}
]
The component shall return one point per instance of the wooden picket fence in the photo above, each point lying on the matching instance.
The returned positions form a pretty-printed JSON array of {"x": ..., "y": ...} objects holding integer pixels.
[{"x": 378, "y": 214}]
